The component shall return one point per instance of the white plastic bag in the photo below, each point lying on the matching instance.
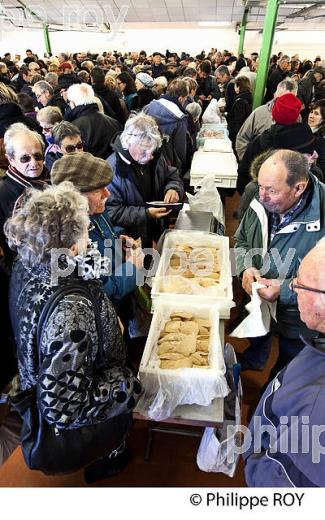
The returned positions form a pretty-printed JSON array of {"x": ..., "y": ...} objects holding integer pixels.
[
  {"x": 221, "y": 102},
  {"x": 207, "y": 198},
  {"x": 212, "y": 113},
  {"x": 217, "y": 451},
  {"x": 217, "y": 455},
  {"x": 258, "y": 322}
]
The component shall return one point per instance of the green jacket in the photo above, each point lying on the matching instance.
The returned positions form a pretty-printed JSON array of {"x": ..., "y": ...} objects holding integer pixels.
[{"x": 284, "y": 252}]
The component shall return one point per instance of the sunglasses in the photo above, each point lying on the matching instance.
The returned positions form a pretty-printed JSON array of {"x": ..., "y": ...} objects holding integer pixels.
[
  {"x": 70, "y": 148},
  {"x": 293, "y": 286},
  {"x": 27, "y": 158}
]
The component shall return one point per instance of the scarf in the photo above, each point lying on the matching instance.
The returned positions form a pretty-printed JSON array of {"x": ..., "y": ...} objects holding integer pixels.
[{"x": 29, "y": 182}]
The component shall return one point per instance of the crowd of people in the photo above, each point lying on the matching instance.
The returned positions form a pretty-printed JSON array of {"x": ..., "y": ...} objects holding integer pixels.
[{"x": 86, "y": 141}]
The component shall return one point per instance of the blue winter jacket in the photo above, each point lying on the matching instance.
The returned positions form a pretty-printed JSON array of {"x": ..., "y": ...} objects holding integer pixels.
[
  {"x": 292, "y": 413},
  {"x": 127, "y": 205},
  {"x": 172, "y": 121},
  {"x": 124, "y": 274}
]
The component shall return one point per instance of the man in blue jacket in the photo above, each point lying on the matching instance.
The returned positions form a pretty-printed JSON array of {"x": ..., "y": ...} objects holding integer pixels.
[
  {"x": 91, "y": 175},
  {"x": 285, "y": 442}
]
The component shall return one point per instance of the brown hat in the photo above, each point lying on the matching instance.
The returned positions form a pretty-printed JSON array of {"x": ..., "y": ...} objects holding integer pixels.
[{"x": 86, "y": 172}]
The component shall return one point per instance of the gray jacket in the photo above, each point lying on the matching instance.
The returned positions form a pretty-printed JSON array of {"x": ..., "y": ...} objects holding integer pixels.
[
  {"x": 256, "y": 123},
  {"x": 296, "y": 394}
]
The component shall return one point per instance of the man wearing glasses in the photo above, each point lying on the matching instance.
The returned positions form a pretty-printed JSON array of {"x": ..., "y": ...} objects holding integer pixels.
[
  {"x": 44, "y": 93},
  {"x": 282, "y": 224},
  {"x": 25, "y": 153},
  {"x": 285, "y": 439}
]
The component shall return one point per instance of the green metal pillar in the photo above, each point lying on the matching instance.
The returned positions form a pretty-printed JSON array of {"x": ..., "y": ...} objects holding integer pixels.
[
  {"x": 264, "y": 58},
  {"x": 47, "y": 40},
  {"x": 242, "y": 31}
]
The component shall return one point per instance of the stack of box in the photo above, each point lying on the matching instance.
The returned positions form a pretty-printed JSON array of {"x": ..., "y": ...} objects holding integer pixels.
[{"x": 214, "y": 156}]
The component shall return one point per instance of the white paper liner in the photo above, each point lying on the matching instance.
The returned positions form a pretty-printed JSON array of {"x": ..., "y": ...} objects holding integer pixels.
[
  {"x": 195, "y": 239},
  {"x": 164, "y": 390}
]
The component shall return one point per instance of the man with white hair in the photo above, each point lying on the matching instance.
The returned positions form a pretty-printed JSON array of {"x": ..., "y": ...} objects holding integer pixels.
[
  {"x": 25, "y": 153},
  {"x": 286, "y": 434},
  {"x": 261, "y": 118},
  {"x": 97, "y": 129},
  {"x": 45, "y": 95},
  {"x": 159, "y": 86}
]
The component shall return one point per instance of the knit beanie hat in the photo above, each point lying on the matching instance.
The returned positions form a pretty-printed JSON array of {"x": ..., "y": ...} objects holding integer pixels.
[
  {"x": 286, "y": 109},
  {"x": 145, "y": 79},
  {"x": 86, "y": 172}
]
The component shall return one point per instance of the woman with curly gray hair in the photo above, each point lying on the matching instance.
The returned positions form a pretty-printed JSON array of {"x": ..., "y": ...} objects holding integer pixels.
[
  {"x": 62, "y": 368},
  {"x": 141, "y": 174}
]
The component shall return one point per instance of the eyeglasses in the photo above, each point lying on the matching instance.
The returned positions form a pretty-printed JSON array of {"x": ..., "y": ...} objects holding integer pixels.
[
  {"x": 294, "y": 286},
  {"x": 27, "y": 158},
  {"x": 47, "y": 129},
  {"x": 70, "y": 148}
]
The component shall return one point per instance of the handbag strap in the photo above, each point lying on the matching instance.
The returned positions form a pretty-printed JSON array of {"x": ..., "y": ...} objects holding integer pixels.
[{"x": 74, "y": 288}]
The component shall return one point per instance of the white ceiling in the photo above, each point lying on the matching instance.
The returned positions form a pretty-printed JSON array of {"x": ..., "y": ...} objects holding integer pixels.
[{"x": 66, "y": 14}]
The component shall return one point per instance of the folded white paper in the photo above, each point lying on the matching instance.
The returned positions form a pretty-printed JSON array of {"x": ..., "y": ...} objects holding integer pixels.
[{"x": 258, "y": 322}]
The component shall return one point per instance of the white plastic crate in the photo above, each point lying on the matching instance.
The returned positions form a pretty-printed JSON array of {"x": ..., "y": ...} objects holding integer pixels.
[
  {"x": 218, "y": 145},
  {"x": 218, "y": 163},
  {"x": 165, "y": 389},
  {"x": 221, "y": 294},
  {"x": 222, "y": 165}
]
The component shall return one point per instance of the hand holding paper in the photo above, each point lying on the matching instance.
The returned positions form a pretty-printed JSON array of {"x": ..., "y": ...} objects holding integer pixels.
[
  {"x": 271, "y": 292},
  {"x": 260, "y": 311}
]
